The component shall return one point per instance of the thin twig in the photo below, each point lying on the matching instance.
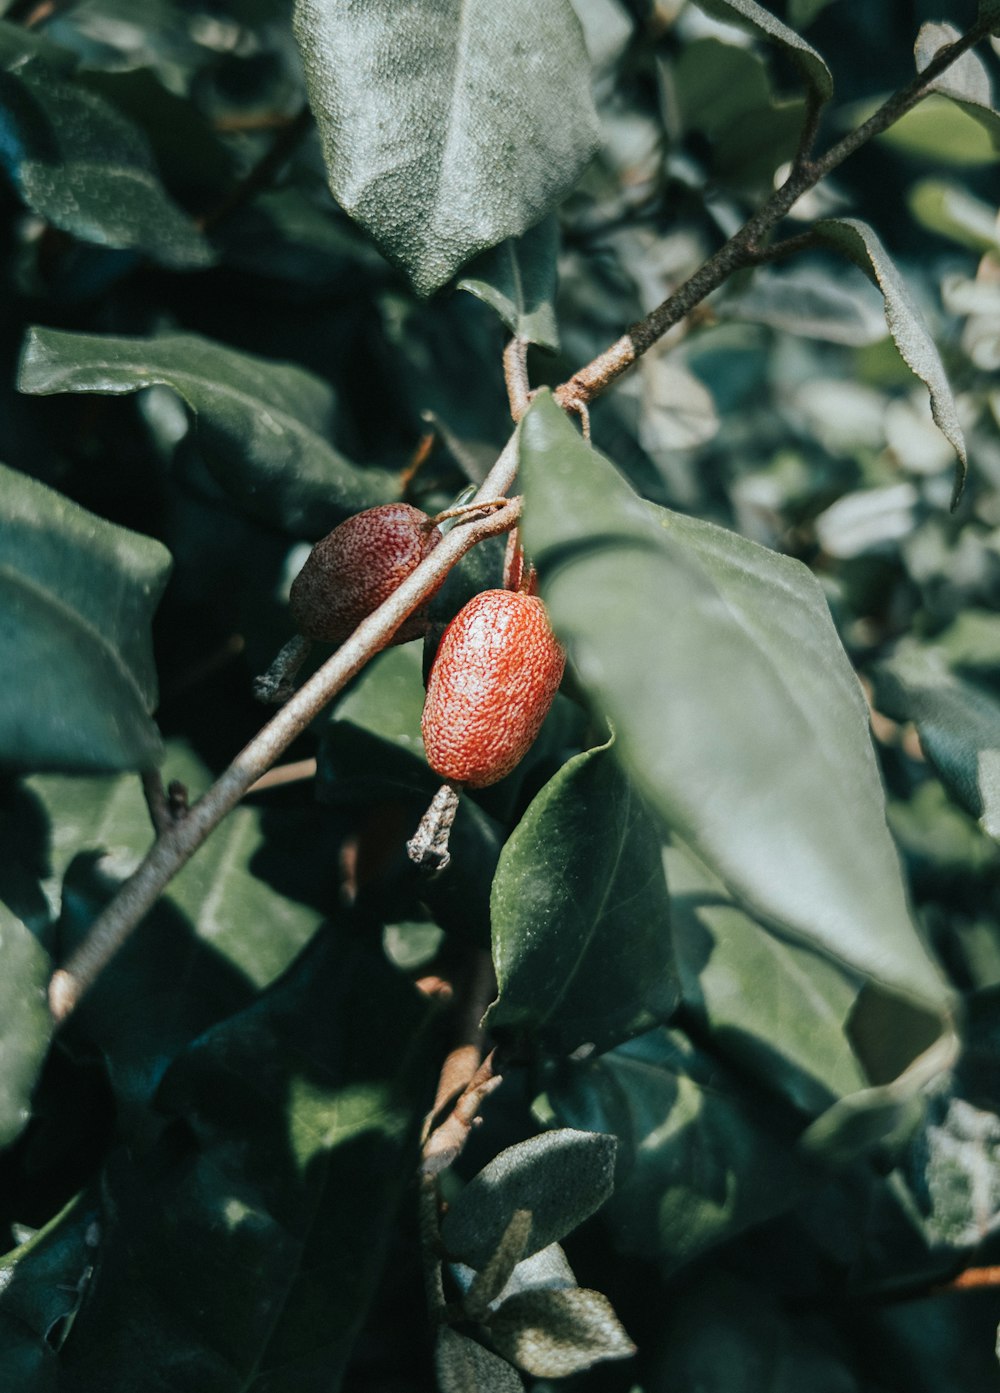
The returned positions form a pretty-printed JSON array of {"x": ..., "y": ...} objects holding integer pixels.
[
  {"x": 262, "y": 173},
  {"x": 174, "y": 848},
  {"x": 515, "y": 375},
  {"x": 282, "y": 774},
  {"x": 160, "y": 811},
  {"x": 744, "y": 248}
]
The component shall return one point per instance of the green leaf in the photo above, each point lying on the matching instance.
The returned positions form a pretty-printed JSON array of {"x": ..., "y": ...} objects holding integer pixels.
[
  {"x": 388, "y": 698},
  {"x": 419, "y": 108},
  {"x": 25, "y": 1023},
  {"x": 767, "y": 26},
  {"x": 701, "y": 1157},
  {"x": 78, "y": 596},
  {"x": 810, "y": 303},
  {"x": 775, "y": 1009},
  {"x": 518, "y": 280},
  {"x": 856, "y": 240},
  {"x": 42, "y": 1283},
  {"x": 464, "y": 1367},
  {"x": 17, "y": 44},
  {"x": 940, "y": 131},
  {"x": 581, "y": 915},
  {"x": 562, "y": 1177},
  {"x": 231, "y": 921},
  {"x": 85, "y": 168},
  {"x": 959, "y": 726},
  {"x": 243, "y": 1246},
  {"x": 733, "y": 702},
  {"x": 990, "y": 11},
  {"x": 263, "y": 426},
  {"x": 967, "y": 82},
  {"x": 948, "y": 209},
  {"x": 552, "y": 1334}
]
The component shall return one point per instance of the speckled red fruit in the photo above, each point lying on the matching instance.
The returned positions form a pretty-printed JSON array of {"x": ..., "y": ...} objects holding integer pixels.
[
  {"x": 356, "y": 567},
  {"x": 494, "y": 677}
]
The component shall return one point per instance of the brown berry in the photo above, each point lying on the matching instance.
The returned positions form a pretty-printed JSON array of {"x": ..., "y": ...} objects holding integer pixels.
[
  {"x": 356, "y": 567},
  {"x": 494, "y": 677}
]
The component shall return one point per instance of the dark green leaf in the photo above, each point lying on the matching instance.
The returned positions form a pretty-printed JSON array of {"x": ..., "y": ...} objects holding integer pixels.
[
  {"x": 263, "y": 426},
  {"x": 990, "y": 11},
  {"x": 85, "y": 168},
  {"x": 465, "y": 1367},
  {"x": 230, "y": 923},
  {"x": 959, "y": 725},
  {"x": 242, "y": 1248},
  {"x": 701, "y": 1158},
  {"x": 767, "y": 26},
  {"x": 720, "y": 668},
  {"x": 775, "y": 1009},
  {"x": 420, "y": 108},
  {"x": 910, "y": 333},
  {"x": 552, "y": 1334},
  {"x": 25, "y": 1023},
  {"x": 78, "y": 598},
  {"x": 581, "y": 915},
  {"x": 388, "y": 698},
  {"x": 518, "y": 280},
  {"x": 966, "y": 82},
  {"x": 561, "y": 1177},
  {"x": 18, "y": 44},
  {"x": 728, "y": 1334},
  {"x": 42, "y": 1283}
]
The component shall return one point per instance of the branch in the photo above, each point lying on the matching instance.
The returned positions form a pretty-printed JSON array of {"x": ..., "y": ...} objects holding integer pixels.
[
  {"x": 175, "y": 846},
  {"x": 262, "y": 173},
  {"x": 744, "y": 247}
]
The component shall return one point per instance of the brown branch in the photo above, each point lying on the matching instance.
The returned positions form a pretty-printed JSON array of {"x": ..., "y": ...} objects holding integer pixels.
[
  {"x": 160, "y": 811},
  {"x": 285, "y": 774},
  {"x": 972, "y": 1279},
  {"x": 174, "y": 848},
  {"x": 744, "y": 248}
]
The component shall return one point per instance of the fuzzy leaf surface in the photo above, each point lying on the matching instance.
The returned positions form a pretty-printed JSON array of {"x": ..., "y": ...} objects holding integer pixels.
[
  {"x": 581, "y": 914},
  {"x": 967, "y": 82},
  {"x": 78, "y": 596},
  {"x": 561, "y": 1177},
  {"x": 718, "y": 664},
  {"x": 447, "y": 127},
  {"x": 263, "y": 427},
  {"x": 518, "y": 280},
  {"x": 552, "y": 1334},
  {"x": 463, "y": 1366},
  {"x": 85, "y": 168},
  {"x": 859, "y": 242}
]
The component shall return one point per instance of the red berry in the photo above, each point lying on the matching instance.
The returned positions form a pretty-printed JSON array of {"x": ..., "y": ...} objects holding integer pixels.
[
  {"x": 356, "y": 567},
  {"x": 494, "y": 678}
]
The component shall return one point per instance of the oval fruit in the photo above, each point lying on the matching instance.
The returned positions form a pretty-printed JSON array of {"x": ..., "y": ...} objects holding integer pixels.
[
  {"x": 494, "y": 677},
  {"x": 356, "y": 567}
]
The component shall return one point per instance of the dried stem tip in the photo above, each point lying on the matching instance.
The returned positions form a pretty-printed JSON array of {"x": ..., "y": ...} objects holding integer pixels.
[{"x": 428, "y": 847}]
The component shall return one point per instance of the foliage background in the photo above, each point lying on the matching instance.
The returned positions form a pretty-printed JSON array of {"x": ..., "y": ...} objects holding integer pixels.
[{"x": 216, "y": 1209}]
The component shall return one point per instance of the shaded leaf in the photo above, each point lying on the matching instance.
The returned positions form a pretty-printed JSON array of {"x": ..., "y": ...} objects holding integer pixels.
[
  {"x": 85, "y": 168},
  {"x": 419, "y": 109},
  {"x": 552, "y": 1334},
  {"x": 518, "y": 280},
  {"x": 230, "y": 922},
  {"x": 546, "y": 1270},
  {"x": 809, "y": 303},
  {"x": 950, "y": 210},
  {"x": 560, "y": 1176},
  {"x": 767, "y": 26},
  {"x": 728, "y": 1334},
  {"x": 242, "y": 1248},
  {"x": 466, "y": 1367},
  {"x": 581, "y": 915},
  {"x": 959, "y": 725},
  {"x": 25, "y": 1023},
  {"x": 909, "y": 331},
  {"x": 953, "y": 1172},
  {"x": 966, "y": 81},
  {"x": 776, "y": 1009},
  {"x": 78, "y": 596},
  {"x": 726, "y": 685},
  {"x": 263, "y": 426},
  {"x": 700, "y": 1156}
]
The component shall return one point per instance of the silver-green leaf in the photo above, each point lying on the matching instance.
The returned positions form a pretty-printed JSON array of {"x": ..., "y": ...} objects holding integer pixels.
[
  {"x": 447, "y": 125},
  {"x": 553, "y": 1334},
  {"x": 517, "y": 279},
  {"x": 859, "y": 242},
  {"x": 749, "y": 15}
]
